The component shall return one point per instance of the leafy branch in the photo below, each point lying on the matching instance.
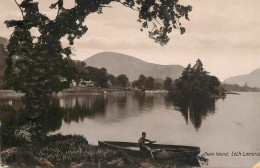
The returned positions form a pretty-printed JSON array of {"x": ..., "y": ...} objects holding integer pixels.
[
  {"x": 42, "y": 68},
  {"x": 19, "y": 8}
]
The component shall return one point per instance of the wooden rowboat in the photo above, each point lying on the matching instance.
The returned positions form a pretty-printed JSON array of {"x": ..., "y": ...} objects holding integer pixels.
[{"x": 159, "y": 151}]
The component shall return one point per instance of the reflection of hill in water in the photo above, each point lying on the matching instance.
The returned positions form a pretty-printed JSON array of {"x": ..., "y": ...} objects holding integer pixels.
[{"x": 194, "y": 110}]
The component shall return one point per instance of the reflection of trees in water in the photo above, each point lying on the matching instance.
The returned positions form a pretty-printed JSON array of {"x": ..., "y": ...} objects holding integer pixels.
[
  {"x": 199, "y": 109},
  {"x": 15, "y": 115},
  {"x": 194, "y": 109},
  {"x": 15, "y": 103},
  {"x": 109, "y": 108},
  {"x": 145, "y": 101},
  {"x": 76, "y": 108},
  {"x": 119, "y": 98}
]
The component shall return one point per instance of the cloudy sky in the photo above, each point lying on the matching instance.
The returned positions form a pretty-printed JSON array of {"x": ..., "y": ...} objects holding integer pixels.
[{"x": 224, "y": 34}]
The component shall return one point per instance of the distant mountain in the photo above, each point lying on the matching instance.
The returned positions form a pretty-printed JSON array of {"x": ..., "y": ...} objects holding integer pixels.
[
  {"x": 252, "y": 79},
  {"x": 4, "y": 41},
  {"x": 117, "y": 64}
]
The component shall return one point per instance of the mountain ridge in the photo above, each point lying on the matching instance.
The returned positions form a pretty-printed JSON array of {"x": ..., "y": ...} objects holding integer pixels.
[
  {"x": 4, "y": 41},
  {"x": 117, "y": 63},
  {"x": 252, "y": 79}
]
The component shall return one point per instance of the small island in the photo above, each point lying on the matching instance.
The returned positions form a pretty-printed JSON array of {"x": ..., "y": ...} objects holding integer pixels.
[{"x": 195, "y": 82}]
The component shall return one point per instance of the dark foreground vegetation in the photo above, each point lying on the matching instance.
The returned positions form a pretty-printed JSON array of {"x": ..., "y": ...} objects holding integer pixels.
[
  {"x": 59, "y": 151},
  {"x": 74, "y": 151},
  {"x": 40, "y": 66}
]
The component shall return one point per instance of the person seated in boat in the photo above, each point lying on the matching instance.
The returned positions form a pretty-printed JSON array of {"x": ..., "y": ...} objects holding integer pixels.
[{"x": 141, "y": 142}]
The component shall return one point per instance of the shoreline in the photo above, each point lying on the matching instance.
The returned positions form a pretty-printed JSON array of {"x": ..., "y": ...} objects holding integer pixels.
[
  {"x": 231, "y": 92},
  {"x": 102, "y": 91},
  {"x": 10, "y": 94}
]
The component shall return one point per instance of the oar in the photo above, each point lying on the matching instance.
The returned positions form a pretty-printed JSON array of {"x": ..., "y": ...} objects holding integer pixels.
[
  {"x": 151, "y": 152},
  {"x": 150, "y": 149}
]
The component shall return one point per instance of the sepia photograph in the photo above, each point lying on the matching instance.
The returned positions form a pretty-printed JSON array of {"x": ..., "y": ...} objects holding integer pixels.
[{"x": 130, "y": 83}]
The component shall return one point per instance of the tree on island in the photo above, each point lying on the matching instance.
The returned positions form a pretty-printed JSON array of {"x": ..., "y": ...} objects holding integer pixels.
[{"x": 195, "y": 82}]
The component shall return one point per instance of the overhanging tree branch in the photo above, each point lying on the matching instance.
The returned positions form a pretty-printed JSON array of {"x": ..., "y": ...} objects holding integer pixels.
[
  {"x": 33, "y": 77},
  {"x": 20, "y": 8}
]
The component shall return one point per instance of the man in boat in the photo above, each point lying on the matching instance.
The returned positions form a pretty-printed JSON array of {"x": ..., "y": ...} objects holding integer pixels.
[{"x": 141, "y": 142}]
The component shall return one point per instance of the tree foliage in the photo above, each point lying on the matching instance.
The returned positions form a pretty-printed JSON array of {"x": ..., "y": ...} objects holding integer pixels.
[
  {"x": 167, "y": 84},
  {"x": 149, "y": 83},
  {"x": 194, "y": 82},
  {"x": 40, "y": 67},
  {"x": 122, "y": 80},
  {"x": 3, "y": 56},
  {"x": 144, "y": 82},
  {"x": 112, "y": 80},
  {"x": 80, "y": 71},
  {"x": 140, "y": 82}
]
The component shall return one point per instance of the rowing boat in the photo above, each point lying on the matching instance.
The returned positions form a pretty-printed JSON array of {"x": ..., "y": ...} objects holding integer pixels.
[{"x": 159, "y": 151}]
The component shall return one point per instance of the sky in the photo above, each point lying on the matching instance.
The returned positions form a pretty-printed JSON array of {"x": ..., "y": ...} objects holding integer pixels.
[{"x": 224, "y": 34}]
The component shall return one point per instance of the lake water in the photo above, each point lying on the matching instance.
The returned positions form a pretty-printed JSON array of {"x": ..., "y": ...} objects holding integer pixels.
[{"x": 224, "y": 125}]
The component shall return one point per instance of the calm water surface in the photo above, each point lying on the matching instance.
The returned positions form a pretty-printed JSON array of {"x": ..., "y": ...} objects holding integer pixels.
[{"x": 223, "y": 126}]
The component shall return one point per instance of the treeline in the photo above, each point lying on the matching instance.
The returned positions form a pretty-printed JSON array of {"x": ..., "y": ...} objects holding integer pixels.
[
  {"x": 80, "y": 71},
  {"x": 147, "y": 83},
  {"x": 194, "y": 82},
  {"x": 3, "y": 56},
  {"x": 237, "y": 88}
]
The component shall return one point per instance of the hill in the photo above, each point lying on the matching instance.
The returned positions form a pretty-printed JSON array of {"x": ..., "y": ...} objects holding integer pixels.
[
  {"x": 117, "y": 64},
  {"x": 3, "y": 41},
  {"x": 252, "y": 79}
]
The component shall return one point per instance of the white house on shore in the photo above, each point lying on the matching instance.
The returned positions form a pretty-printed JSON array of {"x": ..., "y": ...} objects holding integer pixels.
[
  {"x": 87, "y": 83},
  {"x": 83, "y": 83}
]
